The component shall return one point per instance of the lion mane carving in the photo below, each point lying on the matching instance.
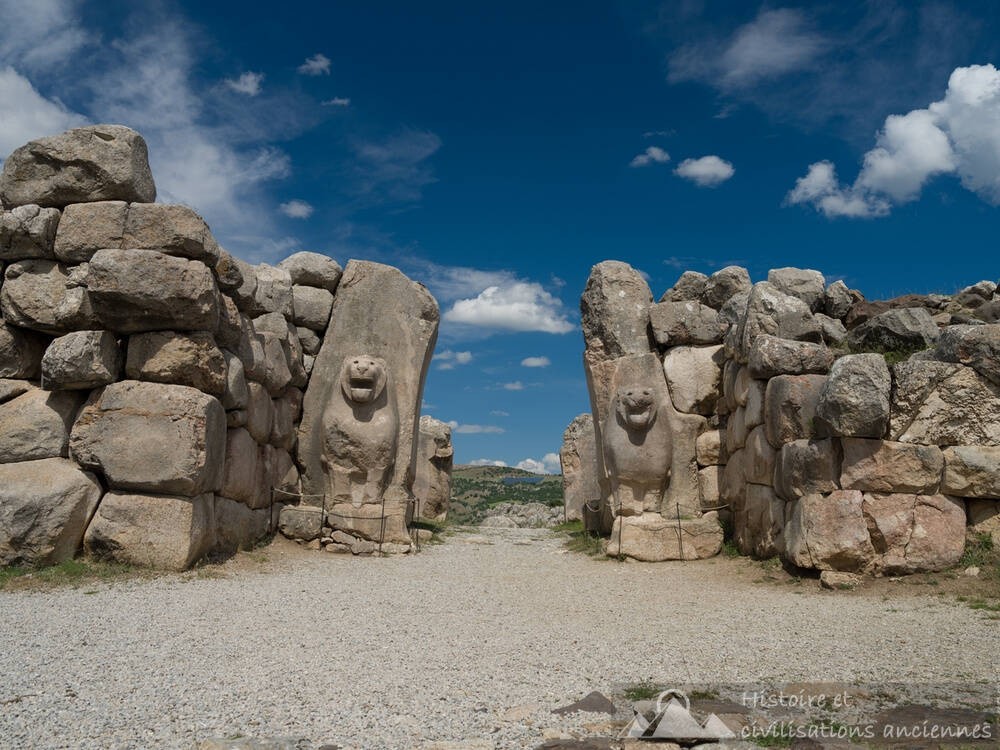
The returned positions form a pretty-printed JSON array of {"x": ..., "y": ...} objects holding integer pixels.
[
  {"x": 360, "y": 431},
  {"x": 637, "y": 450}
]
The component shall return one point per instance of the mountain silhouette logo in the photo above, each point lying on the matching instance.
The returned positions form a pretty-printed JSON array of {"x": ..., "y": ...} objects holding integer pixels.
[{"x": 673, "y": 721}]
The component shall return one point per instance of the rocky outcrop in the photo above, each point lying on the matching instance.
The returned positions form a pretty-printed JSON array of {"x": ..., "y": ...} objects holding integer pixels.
[
  {"x": 435, "y": 457},
  {"x": 578, "y": 459}
]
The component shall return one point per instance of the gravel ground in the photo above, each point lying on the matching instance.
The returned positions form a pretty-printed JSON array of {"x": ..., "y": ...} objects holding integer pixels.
[{"x": 480, "y": 637}]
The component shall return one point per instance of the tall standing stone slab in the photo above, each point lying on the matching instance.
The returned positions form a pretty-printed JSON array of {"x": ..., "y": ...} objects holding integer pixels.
[
  {"x": 435, "y": 455},
  {"x": 379, "y": 312},
  {"x": 615, "y": 311},
  {"x": 578, "y": 458},
  {"x": 93, "y": 163}
]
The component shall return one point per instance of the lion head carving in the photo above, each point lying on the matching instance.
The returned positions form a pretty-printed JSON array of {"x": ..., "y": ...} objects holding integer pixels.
[
  {"x": 363, "y": 378},
  {"x": 636, "y": 407}
]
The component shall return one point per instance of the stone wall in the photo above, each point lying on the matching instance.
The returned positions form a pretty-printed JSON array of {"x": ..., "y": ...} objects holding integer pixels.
[
  {"x": 152, "y": 384},
  {"x": 838, "y": 433}
]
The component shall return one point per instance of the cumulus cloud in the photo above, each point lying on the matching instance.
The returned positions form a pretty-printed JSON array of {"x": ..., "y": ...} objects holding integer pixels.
[
  {"x": 536, "y": 362},
  {"x": 296, "y": 209},
  {"x": 549, "y": 464},
  {"x": 449, "y": 360},
  {"x": 708, "y": 171},
  {"x": 25, "y": 114},
  {"x": 652, "y": 155},
  {"x": 512, "y": 306},
  {"x": 487, "y": 462},
  {"x": 248, "y": 83},
  {"x": 337, "y": 101},
  {"x": 317, "y": 65},
  {"x": 475, "y": 429},
  {"x": 958, "y": 135}
]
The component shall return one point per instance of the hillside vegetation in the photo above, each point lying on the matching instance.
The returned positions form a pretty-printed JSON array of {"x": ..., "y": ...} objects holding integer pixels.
[{"x": 475, "y": 489}]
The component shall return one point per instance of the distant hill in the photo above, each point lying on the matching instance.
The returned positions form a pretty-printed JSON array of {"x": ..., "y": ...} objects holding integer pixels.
[{"x": 474, "y": 489}]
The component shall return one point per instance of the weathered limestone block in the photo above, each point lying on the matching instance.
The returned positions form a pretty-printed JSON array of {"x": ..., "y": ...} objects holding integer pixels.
[
  {"x": 313, "y": 269},
  {"x": 734, "y": 480},
  {"x": 311, "y": 307},
  {"x": 286, "y": 411},
  {"x": 237, "y": 394},
  {"x": 86, "y": 228},
  {"x": 190, "y": 359},
  {"x": 733, "y": 311},
  {"x": 984, "y": 518},
  {"x": 770, "y": 356},
  {"x": 169, "y": 229},
  {"x": 741, "y": 386},
  {"x": 238, "y": 527},
  {"x": 277, "y": 327},
  {"x": 790, "y": 407},
  {"x": 234, "y": 329},
  {"x": 435, "y": 455},
  {"x": 834, "y": 332},
  {"x": 710, "y": 448},
  {"x": 725, "y": 284},
  {"x": 685, "y": 323},
  {"x": 93, "y": 163},
  {"x": 615, "y": 311},
  {"x": 284, "y": 474},
  {"x": 915, "y": 533},
  {"x": 710, "y": 487},
  {"x": 260, "y": 413},
  {"x": 81, "y": 360},
  {"x": 369, "y": 523},
  {"x": 156, "y": 531},
  {"x": 935, "y": 403},
  {"x": 46, "y": 296},
  {"x": 153, "y": 438},
  {"x": 770, "y": 311},
  {"x": 829, "y": 532},
  {"x": 807, "y": 467},
  {"x": 759, "y": 523},
  {"x": 690, "y": 286},
  {"x": 10, "y": 389},
  {"x": 308, "y": 340},
  {"x": 36, "y": 425},
  {"x": 694, "y": 376},
  {"x": 838, "y": 300},
  {"x": 886, "y": 466},
  {"x": 975, "y": 346},
  {"x": 45, "y": 506},
  {"x": 301, "y": 522},
  {"x": 228, "y": 275},
  {"x": 21, "y": 352},
  {"x": 736, "y": 430},
  {"x": 274, "y": 291},
  {"x": 906, "y": 329},
  {"x": 132, "y": 291},
  {"x": 759, "y": 458},
  {"x": 855, "y": 399},
  {"x": 246, "y": 477},
  {"x": 377, "y": 312},
  {"x": 972, "y": 471},
  {"x": 244, "y": 294},
  {"x": 28, "y": 232},
  {"x": 652, "y": 538},
  {"x": 270, "y": 362},
  {"x": 809, "y": 286}
]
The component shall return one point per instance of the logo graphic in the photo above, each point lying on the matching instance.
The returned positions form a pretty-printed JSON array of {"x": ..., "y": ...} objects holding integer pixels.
[{"x": 673, "y": 721}]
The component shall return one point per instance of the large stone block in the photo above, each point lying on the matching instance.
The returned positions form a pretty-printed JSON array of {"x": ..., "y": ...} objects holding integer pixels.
[
  {"x": 710, "y": 448},
  {"x": 759, "y": 457},
  {"x": 885, "y": 466},
  {"x": 156, "y": 531},
  {"x": 260, "y": 413},
  {"x": 758, "y": 524},
  {"x": 190, "y": 359},
  {"x": 93, "y": 163},
  {"x": 46, "y": 296},
  {"x": 855, "y": 399},
  {"x": 790, "y": 407},
  {"x": 685, "y": 323},
  {"x": 906, "y": 329},
  {"x": 272, "y": 328},
  {"x": 975, "y": 346},
  {"x": 10, "y": 389},
  {"x": 86, "y": 228},
  {"x": 710, "y": 487},
  {"x": 972, "y": 471},
  {"x": 829, "y": 532},
  {"x": 690, "y": 286},
  {"x": 770, "y": 356},
  {"x": 725, "y": 284},
  {"x": 274, "y": 291},
  {"x": 153, "y": 438},
  {"x": 45, "y": 506},
  {"x": 246, "y": 477},
  {"x": 28, "y": 232},
  {"x": 238, "y": 527},
  {"x": 311, "y": 307},
  {"x": 142, "y": 290},
  {"x": 615, "y": 311},
  {"x": 838, "y": 300},
  {"x": 772, "y": 312},
  {"x": 935, "y": 403},
  {"x": 313, "y": 269},
  {"x": 807, "y": 467},
  {"x": 81, "y": 360},
  {"x": 385, "y": 525},
  {"x": 652, "y": 538},
  {"x": 694, "y": 376},
  {"x": 301, "y": 522},
  {"x": 21, "y": 352},
  {"x": 37, "y": 424},
  {"x": 170, "y": 229},
  {"x": 915, "y": 533},
  {"x": 237, "y": 394},
  {"x": 809, "y": 286},
  {"x": 435, "y": 455}
]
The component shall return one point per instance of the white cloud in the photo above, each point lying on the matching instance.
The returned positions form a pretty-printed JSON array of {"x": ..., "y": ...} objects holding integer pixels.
[
  {"x": 248, "y": 83},
  {"x": 395, "y": 168},
  {"x": 516, "y": 385},
  {"x": 317, "y": 65},
  {"x": 708, "y": 171},
  {"x": 296, "y": 209},
  {"x": 475, "y": 429},
  {"x": 38, "y": 36},
  {"x": 25, "y": 114},
  {"x": 449, "y": 359},
  {"x": 486, "y": 462},
  {"x": 536, "y": 362},
  {"x": 652, "y": 155},
  {"x": 337, "y": 101},
  {"x": 958, "y": 135},
  {"x": 512, "y": 306},
  {"x": 549, "y": 464}
]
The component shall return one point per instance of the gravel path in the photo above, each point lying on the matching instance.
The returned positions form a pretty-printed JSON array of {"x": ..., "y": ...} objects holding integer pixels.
[{"x": 401, "y": 652}]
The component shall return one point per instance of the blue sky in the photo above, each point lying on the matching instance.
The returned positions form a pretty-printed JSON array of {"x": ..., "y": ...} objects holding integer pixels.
[{"x": 496, "y": 151}]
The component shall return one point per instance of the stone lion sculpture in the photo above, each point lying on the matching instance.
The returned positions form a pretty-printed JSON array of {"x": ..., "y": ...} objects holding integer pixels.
[
  {"x": 360, "y": 431},
  {"x": 637, "y": 450}
]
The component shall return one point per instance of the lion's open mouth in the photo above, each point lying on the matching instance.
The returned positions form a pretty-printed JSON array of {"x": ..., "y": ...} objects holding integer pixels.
[
  {"x": 362, "y": 388},
  {"x": 638, "y": 415}
]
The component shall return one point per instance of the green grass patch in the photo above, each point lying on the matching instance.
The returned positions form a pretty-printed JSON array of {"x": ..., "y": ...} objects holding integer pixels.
[
  {"x": 68, "y": 573},
  {"x": 729, "y": 548},
  {"x": 642, "y": 691},
  {"x": 979, "y": 552},
  {"x": 581, "y": 540}
]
